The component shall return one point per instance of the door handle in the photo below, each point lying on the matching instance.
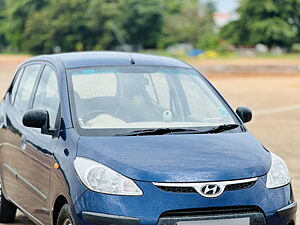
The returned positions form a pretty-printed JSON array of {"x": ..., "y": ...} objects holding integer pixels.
[{"x": 23, "y": 142}]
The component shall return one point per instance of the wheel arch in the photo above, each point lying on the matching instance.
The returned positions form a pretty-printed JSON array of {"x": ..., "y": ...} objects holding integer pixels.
[{"x": 59, "y": 203}]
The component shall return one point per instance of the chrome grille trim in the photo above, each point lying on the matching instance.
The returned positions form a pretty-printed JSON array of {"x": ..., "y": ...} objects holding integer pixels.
[{"x": 198, "y": 186}]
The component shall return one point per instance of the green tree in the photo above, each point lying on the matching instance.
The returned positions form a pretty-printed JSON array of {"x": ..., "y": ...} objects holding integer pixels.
[
  {"x": 15, "y": 14},
  {"x": 270, "y": 22},
  {"x": 40, "y": 26},
  {"x": 141, "y": 21},
  {"x": 60, "y": 24},
  {"x": 2, "y": 38},
  {"x": 92, "y": 25},
  {"x": 100, "y": 19},
  {"x": 188, "y": 21}
]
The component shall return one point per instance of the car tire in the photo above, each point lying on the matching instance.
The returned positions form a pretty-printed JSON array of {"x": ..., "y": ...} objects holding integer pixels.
[
  {"x": 65, "y": 216},
  {"x": 7, "y": 209}
]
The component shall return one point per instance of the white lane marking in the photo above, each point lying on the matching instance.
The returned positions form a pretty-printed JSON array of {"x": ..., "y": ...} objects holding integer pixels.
[{"x": 276, "y": 110}]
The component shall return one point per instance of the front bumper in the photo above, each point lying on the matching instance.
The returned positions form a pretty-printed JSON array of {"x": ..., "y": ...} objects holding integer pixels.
[
  {"x": 102, "y": 219},
  {"x": 157, "y": 207},
  {"x": 288, "y": 211}
]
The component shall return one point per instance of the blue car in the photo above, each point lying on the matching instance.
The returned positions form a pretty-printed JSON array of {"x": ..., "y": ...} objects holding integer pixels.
[{"x": 110, "y": 138}]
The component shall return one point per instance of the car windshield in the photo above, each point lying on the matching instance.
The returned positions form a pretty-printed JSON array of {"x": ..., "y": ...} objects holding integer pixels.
[{"x": 144, "y": 97}]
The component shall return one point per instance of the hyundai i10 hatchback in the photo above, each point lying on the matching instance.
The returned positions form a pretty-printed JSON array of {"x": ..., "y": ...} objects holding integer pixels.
[{"x": 112, "y": 138}]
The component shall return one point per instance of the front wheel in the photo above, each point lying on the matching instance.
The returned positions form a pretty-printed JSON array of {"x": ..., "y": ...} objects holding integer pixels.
[
  {"x": 7, "y": 209},
  {"x": 65, "y": 216}
]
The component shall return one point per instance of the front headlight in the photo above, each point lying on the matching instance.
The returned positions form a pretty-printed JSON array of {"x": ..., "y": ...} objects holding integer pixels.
[
  {"x": 278, "y": 175},
  {"x": 100, "y": 178}
]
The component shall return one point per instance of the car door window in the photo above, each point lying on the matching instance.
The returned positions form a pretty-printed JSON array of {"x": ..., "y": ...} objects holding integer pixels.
[
  {"x": 47, "y": 95},
  {"x": 26, "y": 86},
  {"x": 16, "y": 85}
]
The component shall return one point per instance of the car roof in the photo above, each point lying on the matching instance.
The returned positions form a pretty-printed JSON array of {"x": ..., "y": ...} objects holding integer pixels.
[{"x": 105, "y": 58}]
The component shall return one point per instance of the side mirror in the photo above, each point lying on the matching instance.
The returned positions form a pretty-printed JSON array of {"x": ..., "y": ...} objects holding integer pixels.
[
  {"x": 244, "y": 113},
  {"x": 38, "y": 119}
]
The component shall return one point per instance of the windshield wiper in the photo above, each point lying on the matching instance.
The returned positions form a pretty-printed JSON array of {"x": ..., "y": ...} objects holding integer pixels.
[
  {"x": 162, "y": 131},
  {"x": 221, "y": 128}
]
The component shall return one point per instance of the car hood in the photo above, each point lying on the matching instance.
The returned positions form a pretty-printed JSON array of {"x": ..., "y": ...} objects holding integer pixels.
[{"x": 180, "y": 158}]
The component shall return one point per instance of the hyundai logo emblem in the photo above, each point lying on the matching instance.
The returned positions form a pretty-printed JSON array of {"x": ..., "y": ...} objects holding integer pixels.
[{"x": 210, "y": 190}]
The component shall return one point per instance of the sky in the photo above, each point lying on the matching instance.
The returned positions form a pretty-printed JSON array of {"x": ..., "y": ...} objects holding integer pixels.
[{"x": 226, "y": 6}]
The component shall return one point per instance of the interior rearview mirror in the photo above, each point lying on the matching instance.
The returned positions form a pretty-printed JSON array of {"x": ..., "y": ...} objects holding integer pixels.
[{"x": 244, "y": 113}]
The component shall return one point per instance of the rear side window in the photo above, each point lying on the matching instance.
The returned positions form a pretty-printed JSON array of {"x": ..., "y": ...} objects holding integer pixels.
[
  {"x": 26, "y": 86},
  {"x": 47, "y": 95},
  {"x": 16, "y": 85}
]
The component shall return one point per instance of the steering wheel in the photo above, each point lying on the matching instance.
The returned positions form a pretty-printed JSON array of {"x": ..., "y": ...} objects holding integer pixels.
[{"x": 93, "y": 114}]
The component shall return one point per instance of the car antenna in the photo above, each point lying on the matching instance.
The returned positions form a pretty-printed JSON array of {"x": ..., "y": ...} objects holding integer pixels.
[{"x": 132, "y": 61}]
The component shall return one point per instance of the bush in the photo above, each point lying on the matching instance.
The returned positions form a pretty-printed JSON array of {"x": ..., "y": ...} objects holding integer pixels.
[{"x": 296, "y": 47}]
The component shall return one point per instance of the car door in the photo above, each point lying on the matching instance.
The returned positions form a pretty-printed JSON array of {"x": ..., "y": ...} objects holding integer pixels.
[
  {"x": 40, "y": 147},
  {"x": 9, "y": 138},
  {"x": 13, "y": 156}
]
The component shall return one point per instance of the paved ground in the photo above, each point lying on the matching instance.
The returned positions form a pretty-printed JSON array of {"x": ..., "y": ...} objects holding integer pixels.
[{"x": 274, "y": 100}]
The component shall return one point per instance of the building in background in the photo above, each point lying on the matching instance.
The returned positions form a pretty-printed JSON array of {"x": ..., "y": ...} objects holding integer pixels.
[
  {"x": 221, "y": 19},
  {"x": 225, "y": 12}
]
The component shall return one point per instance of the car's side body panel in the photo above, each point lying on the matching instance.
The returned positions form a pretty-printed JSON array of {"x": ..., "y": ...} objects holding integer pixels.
[{"x": 27, "y": 157}]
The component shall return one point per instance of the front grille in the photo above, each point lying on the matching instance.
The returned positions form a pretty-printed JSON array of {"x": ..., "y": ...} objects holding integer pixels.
[
  {"x": 236, "y": 187},
  {"x": 173, "y": 217},
  {"x": 230, "y": 187},
  {"x": 178, "y": 189}
]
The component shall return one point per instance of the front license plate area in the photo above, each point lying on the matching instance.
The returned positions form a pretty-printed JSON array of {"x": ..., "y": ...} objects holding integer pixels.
[{"x": 236, "y": 221}]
